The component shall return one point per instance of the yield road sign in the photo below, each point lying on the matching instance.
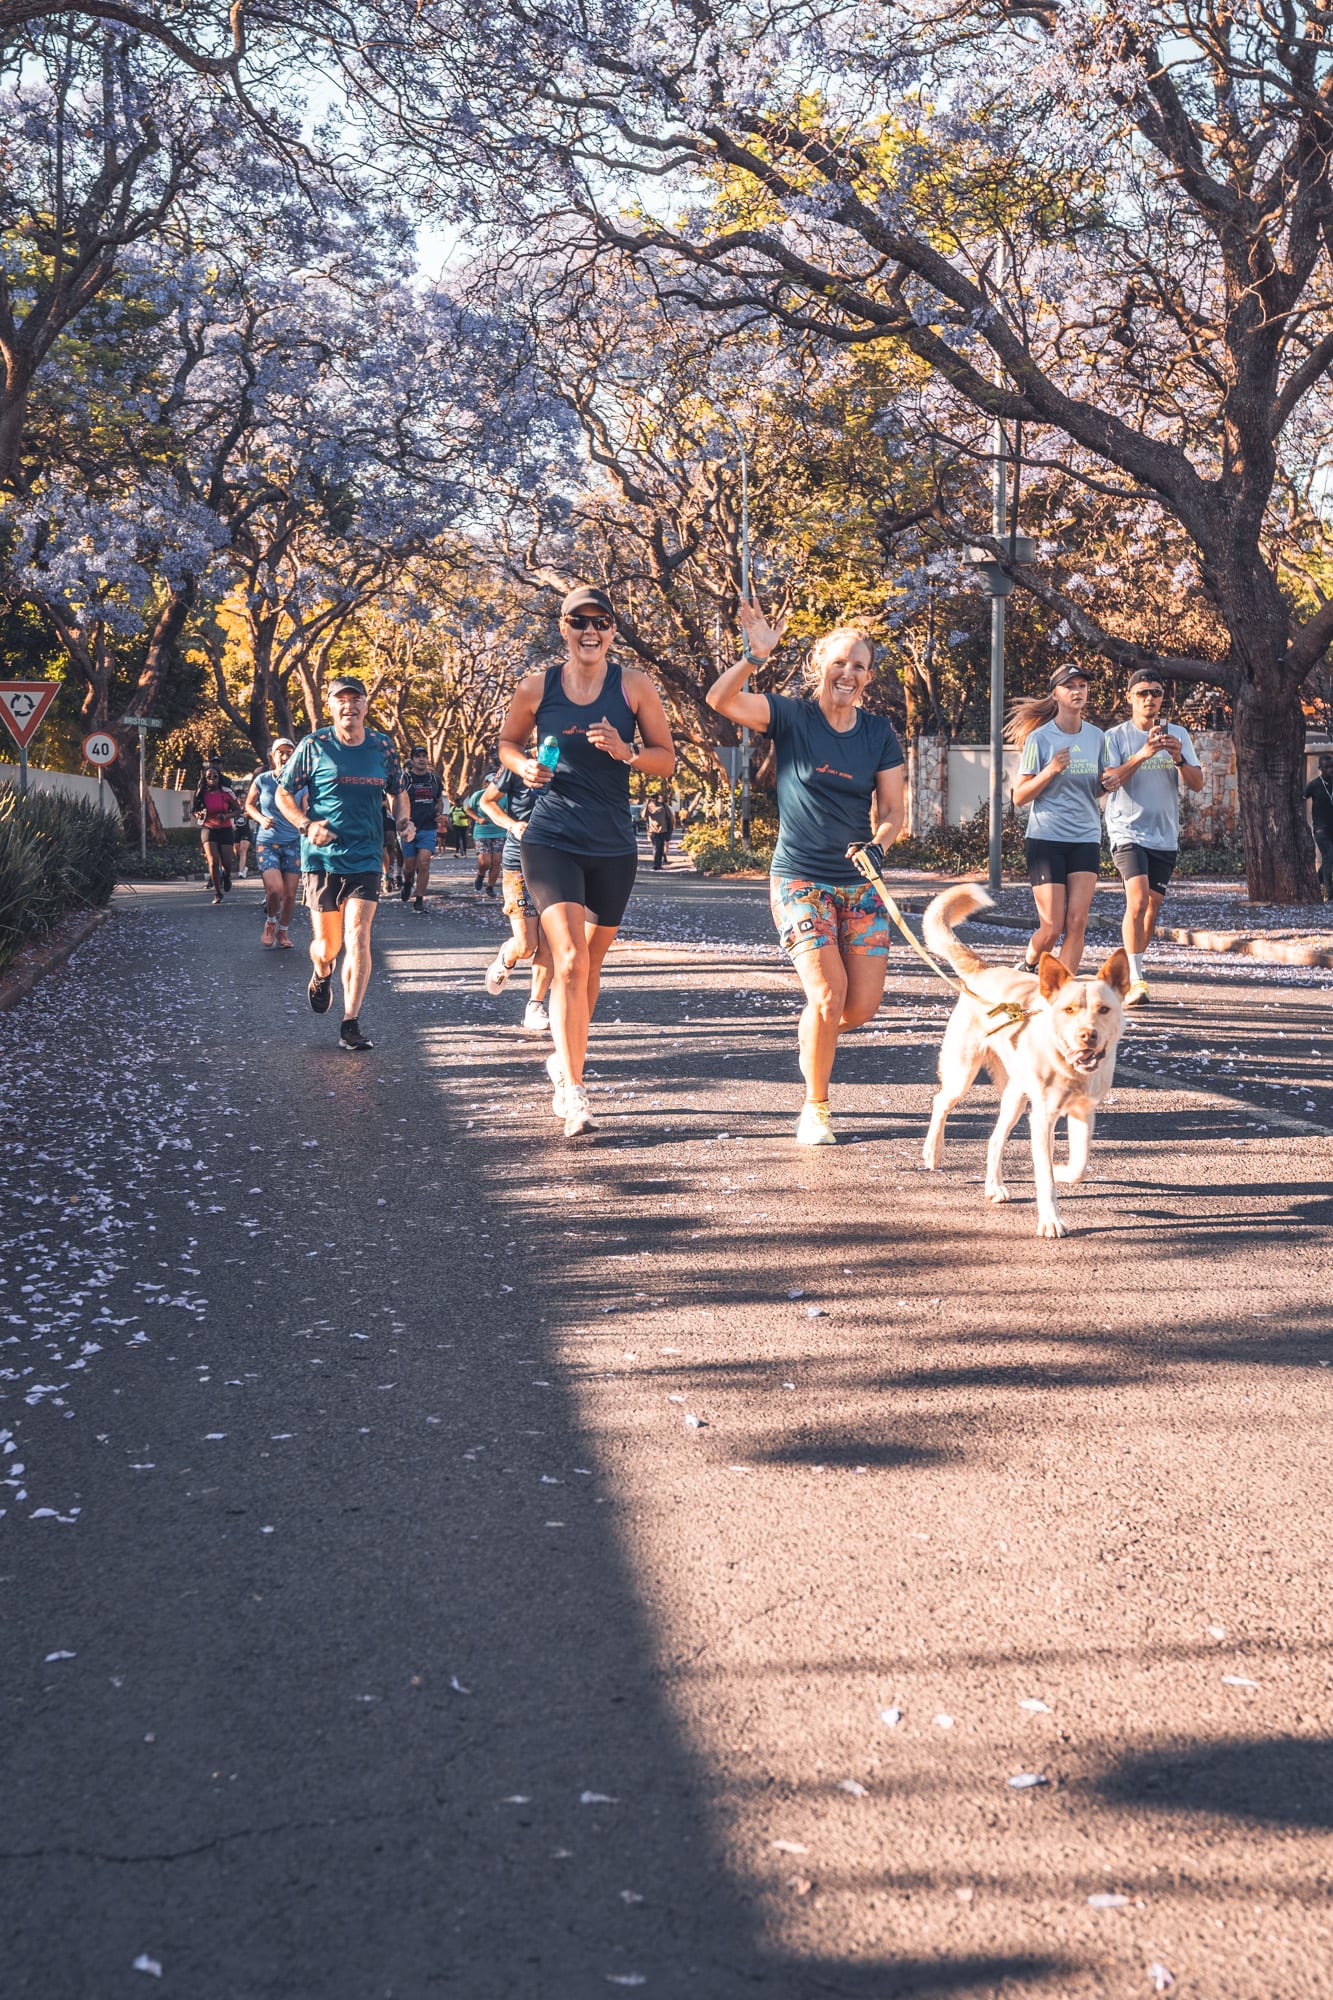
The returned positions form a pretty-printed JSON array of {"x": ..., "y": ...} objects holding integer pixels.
[
  {"x": 22, "y": 706},
  {"x": 100, "y": 748}
]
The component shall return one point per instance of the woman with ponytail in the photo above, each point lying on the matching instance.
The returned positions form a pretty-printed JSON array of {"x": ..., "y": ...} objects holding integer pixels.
[{"x": 1060, "y": 779}]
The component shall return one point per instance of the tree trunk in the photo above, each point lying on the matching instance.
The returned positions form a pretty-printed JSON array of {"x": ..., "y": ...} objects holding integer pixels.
[
  {"x": 87, "y": 652},
  {"x": 263, "y": 628},
  {"x": 122, "y": 779},
  {"x": 1268, "y": 728}
]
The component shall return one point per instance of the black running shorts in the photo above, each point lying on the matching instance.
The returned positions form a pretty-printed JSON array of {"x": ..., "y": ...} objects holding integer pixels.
[
  {"x": 601, "y": 882},
  {"x": 1057, "y": 860},
  {"x": 327, "y": 893},
  {"x": 1157, "y": 863},
  {"x": 218, "y": 836}
]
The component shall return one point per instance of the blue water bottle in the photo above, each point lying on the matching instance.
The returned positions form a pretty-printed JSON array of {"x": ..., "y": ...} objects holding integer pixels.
[{"x": 548, "y": 753}]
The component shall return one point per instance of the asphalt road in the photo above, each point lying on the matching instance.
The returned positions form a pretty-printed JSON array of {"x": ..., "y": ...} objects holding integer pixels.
[{"x": 376, "y": 1622}]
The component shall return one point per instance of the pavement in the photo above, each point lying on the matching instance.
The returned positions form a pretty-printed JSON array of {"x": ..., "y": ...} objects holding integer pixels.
[{"x": 438, "y": 1558}]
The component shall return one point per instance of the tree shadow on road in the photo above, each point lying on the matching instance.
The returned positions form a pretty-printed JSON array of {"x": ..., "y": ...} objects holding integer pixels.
[{"x": 1280, "y": 1781}]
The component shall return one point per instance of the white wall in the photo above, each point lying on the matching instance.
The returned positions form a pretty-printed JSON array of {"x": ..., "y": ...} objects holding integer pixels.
[
  {"x": 969, "y": 779},
  {"x": 173, "y": 808}
]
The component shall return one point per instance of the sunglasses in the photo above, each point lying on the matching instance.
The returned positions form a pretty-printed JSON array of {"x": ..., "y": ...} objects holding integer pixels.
[
  {"x": 1152, "y": 694},
  {"x": 596, "y": 621}
]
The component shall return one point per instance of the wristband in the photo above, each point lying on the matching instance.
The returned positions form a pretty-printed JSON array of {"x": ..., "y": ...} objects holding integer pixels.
[{"x": 749, "y": 657}]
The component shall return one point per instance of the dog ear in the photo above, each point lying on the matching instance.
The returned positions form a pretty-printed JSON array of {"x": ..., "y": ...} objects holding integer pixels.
[
  {"x": 1116, "y": 972},
  {"x": 1051, "y": 975}
]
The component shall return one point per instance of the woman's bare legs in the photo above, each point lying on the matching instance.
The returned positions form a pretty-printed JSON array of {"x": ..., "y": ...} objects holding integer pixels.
[
  {"x": 839, "y": 993},
  {"x": 577, "y": 949}
]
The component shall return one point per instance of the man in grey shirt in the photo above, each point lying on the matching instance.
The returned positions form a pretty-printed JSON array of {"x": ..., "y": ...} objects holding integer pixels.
[{"x": 1147, "y": 762}]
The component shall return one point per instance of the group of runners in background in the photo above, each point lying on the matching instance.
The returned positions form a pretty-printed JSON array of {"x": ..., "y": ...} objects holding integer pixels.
[{"x": 556, "y": 836}]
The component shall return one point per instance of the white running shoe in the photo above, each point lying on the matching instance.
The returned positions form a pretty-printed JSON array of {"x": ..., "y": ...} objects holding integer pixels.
[
  {"x": 536, "y": 1020},
  {"x": 557, "y": 1076},
  {"x": 578, "y": 1118},
  {"x": 497, "y": 974},
  {"x": 816, "y": 1126}
]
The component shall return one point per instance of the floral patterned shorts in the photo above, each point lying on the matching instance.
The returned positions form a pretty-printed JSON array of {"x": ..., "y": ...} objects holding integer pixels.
[
  {"x": 848, "y": 915},
  {"x": 517, "y": 901}
]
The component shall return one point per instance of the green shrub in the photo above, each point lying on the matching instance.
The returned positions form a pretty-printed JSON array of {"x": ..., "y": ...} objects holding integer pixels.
[
  {"x": 965, "y": 849},
  {"x": 180, "y": 858},
  {"x": 1202, "y": 860},
  {"x": 707, "y": 848},
  {"x": 952, "y": 850},
  {"x": 56, "y": 854}
]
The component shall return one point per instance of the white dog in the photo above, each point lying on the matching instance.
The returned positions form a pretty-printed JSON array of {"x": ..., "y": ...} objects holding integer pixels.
[{"x": 1058, "y": 1059}]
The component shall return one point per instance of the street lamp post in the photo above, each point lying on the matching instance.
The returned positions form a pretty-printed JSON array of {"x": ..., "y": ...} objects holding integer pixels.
[
  {"x": 998, "y": 585},
  {"x": 734, "y": 428}
]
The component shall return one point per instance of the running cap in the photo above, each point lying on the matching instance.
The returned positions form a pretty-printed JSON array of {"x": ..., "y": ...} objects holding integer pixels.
[
  {"x": 288, "y": 741},
  {"x": 1063, "y": 675},
  {"x": 347, "y": 684},
  {"x": 1144, "y": 677},
  {"x": 585, "y": 596}
]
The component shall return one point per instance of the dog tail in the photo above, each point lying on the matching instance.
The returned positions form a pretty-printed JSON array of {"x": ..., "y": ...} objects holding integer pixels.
[{"x": 946, "y": 910}]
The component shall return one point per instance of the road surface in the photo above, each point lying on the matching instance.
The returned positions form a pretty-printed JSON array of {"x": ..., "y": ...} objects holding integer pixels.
[{"x": 441, "y": 1559}]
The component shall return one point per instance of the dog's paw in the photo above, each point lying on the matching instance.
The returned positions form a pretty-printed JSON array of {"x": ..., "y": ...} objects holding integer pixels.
[
  {"x": 996, "y": 1191},
  {"x": 1068, "y": 1177},
  {"x": 1051, "y": 1226},
  {"x": 930, "y": 1158}
]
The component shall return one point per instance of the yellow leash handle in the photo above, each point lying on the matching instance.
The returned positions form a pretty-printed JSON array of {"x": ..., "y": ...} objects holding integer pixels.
[
  {"x": 865, "y": 866},
  {"x": 1013, "y": 1014}
]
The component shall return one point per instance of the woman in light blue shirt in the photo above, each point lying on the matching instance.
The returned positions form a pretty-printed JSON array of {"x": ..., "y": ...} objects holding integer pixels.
[{"x": 1060, "y": 779}]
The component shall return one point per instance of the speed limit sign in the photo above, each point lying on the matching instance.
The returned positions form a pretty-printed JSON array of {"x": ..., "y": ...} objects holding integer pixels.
[{"x": 100, "y": 749}]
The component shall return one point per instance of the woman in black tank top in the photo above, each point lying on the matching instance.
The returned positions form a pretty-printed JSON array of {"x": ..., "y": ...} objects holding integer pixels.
[{"x": 579, "y": 847}]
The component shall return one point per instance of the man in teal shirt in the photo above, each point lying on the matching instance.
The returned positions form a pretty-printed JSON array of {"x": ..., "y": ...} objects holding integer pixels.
[{"x": 345, "y": 772}]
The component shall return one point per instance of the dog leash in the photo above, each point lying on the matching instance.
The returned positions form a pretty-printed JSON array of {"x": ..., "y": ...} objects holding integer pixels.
[{"x": 1013, "y": 1015}]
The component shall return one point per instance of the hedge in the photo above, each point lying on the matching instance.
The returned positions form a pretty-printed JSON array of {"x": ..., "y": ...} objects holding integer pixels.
[
  {"x": 56, "y": 854},
  {"x": 953, "y": 850},
  {"x": 179, "y": 858}
]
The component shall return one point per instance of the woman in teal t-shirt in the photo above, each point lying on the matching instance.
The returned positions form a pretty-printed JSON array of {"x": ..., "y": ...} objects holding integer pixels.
[{"x": 840, "y": 787}]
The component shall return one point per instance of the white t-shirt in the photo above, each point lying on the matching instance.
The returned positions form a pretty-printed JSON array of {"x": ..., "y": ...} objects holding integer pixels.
[
  {"x": 1145, "y": 812},
  {"x": 1067, "y": 809}
]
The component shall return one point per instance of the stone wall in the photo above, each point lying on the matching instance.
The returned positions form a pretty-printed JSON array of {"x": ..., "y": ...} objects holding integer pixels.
[
  {"x": 927, "y": 786},
  {"x": 1210, "y": 818}
]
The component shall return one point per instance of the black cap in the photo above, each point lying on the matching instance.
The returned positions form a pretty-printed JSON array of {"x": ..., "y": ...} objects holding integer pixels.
[
  {"x": 347, "y": 684},
  {"x": 1144, "y": 677},
  {"x": 1063, "y": 675},
  {"x": 585, "y": 597}
]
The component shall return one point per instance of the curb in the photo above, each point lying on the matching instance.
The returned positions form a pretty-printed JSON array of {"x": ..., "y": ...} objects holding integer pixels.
[
  {"x": 20, "y": 980},
  {"x": 1280, "y": 948}
]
